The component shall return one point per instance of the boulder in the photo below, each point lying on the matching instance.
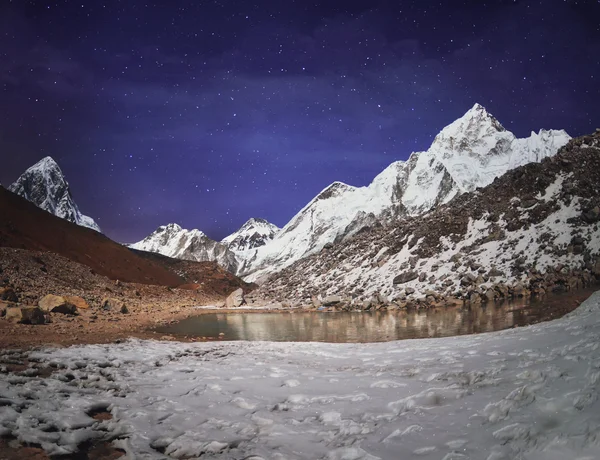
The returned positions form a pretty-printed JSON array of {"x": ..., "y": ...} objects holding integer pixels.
[
  {"x": 315, "y": 301},
  {"x": 409, "y": 291},
  {"x": 8, "y": 294},
  {"x": 26, "y": 315},
  {"x": 422, "y": 277},
  {"x": 109, "y": 304},
  {"x": 235, "y": 299},
  {"x": 332, "y": 300},
  {"x": 494, "y": 272},
  {"x": 405, "y": 277},
  {"x": 468, "y": 279},
  {"x": 592, "y": 215},
  {"x": 57, "y": 304},
  {"x": 79, "y": 302}
]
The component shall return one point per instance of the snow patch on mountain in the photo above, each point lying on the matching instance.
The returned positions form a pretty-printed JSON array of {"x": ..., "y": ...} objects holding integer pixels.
[
  {"x": 45, "y": 186},
  {"x": 173, "y": 241},
  {"x": 469, "y": 153}
]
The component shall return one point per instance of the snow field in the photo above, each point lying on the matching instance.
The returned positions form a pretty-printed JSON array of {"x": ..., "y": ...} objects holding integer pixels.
[{"x": 528, "y": 393}]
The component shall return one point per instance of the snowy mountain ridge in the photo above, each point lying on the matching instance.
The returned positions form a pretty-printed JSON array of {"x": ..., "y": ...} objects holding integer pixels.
[
  {"x": 174, "y": 241},
  {"x": 45, "y": 186},
  {"x": 254, "y": 233},
  {"x": 468, "y": 153},
  {"x": 533, "y": 230}
]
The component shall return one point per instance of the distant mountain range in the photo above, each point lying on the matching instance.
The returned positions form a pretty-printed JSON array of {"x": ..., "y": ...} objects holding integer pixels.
[{"x": 467, "y": 154}]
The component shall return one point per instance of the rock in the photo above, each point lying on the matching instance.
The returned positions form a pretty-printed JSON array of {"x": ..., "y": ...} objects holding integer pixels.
[
  {"x": 409, "y": 291},
  {"x": 331, "y": 300},
  {"x": 124, "y": 309},
  {"x": 57, "y": 304},
  {"x": 494, "y": 272},
  {"x": 8, "y": 294},
  {"x": 596, "y": 269},
  {"x": 468, "y": 279},
  {"x": 109, "y": 304},
  {"x": 528, "y": 203},
  {"x": 592, "y": 215},
  {"x": 422, "y": 277},
  {"x": 3, "y": 307},
  {"x": 26, "y": 315},
  {"x": 235, "y": 299},
  {"x": 475, "y": 297},
  {"x": 518, "y": 290},
  {"x": 315, "y": 301},
  {"x": 405, "y": 277},
  {"x": 490, "y": 295},
  {"x": 79, "y": 302}
]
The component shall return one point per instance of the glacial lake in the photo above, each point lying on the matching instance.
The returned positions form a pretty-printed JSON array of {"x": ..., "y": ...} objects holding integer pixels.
[{"x": 378, "y": 326}]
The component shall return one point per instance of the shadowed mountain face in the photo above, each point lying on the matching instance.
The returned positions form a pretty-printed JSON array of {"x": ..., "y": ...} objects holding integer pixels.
[{"x": 45, "y": 186}]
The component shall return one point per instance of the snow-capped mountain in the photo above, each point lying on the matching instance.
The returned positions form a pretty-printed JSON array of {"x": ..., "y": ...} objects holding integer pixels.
[
  {"x": 533, "y": 230},
  {"x": 44, "y": 185},
  {"x": 173, "y": 241},
  {"x": 253, "y": 234},
  {"x": 469, "y": 153}
]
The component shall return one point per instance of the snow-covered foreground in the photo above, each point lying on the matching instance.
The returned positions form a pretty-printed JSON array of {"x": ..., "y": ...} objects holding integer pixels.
[{"x": 528, "y": 393}]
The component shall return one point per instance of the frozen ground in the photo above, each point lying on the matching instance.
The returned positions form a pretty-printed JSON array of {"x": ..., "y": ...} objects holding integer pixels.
[{"x": 529, "y": 393}]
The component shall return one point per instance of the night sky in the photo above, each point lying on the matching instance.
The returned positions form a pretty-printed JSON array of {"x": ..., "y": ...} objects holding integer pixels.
[{"x": 209, "y": 113}]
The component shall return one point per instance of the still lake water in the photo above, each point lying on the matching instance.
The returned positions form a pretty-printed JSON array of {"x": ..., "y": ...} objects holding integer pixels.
[{"x": 380, "y": 326}]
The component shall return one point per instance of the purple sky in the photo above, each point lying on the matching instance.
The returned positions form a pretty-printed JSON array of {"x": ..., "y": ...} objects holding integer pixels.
[{"x": 209, "y": 113}]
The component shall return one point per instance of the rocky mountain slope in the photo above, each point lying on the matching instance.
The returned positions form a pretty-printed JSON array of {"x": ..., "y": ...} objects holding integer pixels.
[
  {"x": 173, "y": 241},
  {"x": 45, "y": 185},
  {"x": 469, "y": 153},
  {"x": 536, "y": 228}
]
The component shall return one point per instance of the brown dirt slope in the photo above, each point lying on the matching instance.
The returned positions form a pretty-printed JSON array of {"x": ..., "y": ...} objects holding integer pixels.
[{"x": 24, "y": 226}]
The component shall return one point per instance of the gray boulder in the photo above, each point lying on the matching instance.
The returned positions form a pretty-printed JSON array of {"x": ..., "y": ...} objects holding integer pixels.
[{"x": 235, "y": 299}]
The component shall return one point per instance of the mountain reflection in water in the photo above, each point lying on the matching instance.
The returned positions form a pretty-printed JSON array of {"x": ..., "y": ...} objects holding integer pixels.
[{"x": 313, "y": 326}]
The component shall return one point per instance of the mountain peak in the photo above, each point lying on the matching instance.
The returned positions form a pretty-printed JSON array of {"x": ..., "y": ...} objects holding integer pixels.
[
  {"x": 171, "y": 226},
  {"x": 333, "y": 189},
  {"x": 45, "y": 186},
  {"x": 46, "y": 163},
  {"x": 172, "y": 240},
  {"x": 254, "y": 233}
]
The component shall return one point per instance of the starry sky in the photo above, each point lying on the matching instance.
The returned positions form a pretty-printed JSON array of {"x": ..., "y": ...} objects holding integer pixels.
[{"x": 207, "y": 113}]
